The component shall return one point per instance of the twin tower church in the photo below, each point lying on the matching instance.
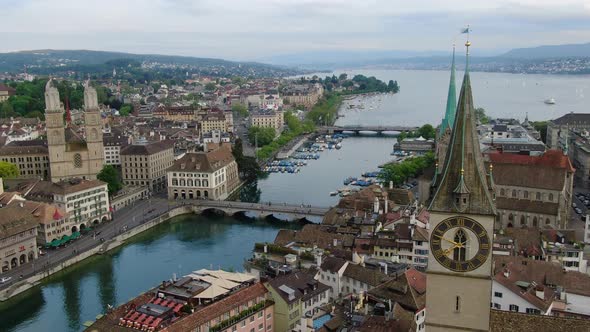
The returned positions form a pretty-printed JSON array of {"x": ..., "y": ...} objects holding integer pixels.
[
  {"x": 462, "y": 214},
  {"x": 70, "y": 155}
]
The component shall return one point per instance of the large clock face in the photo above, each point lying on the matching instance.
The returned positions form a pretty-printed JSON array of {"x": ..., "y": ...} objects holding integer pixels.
[{"x": 460, "y": 244}]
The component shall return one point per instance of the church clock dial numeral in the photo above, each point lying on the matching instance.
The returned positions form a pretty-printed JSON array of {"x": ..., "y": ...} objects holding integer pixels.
[{"x": 460, "y": 244}]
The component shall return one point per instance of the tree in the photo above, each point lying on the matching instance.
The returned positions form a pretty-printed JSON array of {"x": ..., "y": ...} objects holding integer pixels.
[
  {"x": 6, "y": 110},
  {"x": 427, "y": 131},
  {"x": 240, "y": 109},
  {"x": 342, "y": 77},
  {"x": 8, "y": 170},
  {"x": 541, "y": 127},
  {"x": 110, "y": 175},
  {"x": 210, "y": 86},
  {"x": 480, "y": 114},
  {"x": 125, "y": 110},
  {"x": 264, "y": 136}
]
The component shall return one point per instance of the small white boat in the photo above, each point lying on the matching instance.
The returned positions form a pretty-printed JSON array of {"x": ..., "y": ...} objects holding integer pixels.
[
  {"x": 550, "y": 101},
  {"x": 333, "y": 193}
]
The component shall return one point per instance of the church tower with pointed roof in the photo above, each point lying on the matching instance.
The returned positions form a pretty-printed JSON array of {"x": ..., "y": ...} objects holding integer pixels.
[
  {"x": 446, "y": 125},
  {"x": 462, "y": 214},
  {"x": 70, "y": 154}
]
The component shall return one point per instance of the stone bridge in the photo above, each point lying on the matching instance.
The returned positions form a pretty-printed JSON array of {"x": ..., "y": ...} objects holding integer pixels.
[
  {"x": 358, "y": 129},
  {"x": 261, "y": 210}
]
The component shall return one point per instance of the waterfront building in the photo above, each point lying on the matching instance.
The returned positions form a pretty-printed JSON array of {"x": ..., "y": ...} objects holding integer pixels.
[
  {"x": 462, "y": 215},
  {"x": 112, "y": 148},
  {"x": 204, "y": 300},
  {"x": 5, "y": 92},
  {"x": 419, "y": 145},
  {"x": 207, "y": 175},
  {"x": 128, "y": 195},
  {"x": 267, "y": 119},
  {"x": 51, "y": 219},
  {"x": 296, "y": 295},
  {"x": 70, "y": 155},
  {"x": 145, "y": 164},
  {"x": 303, "y": 94},
  {"x": 18, "y": 236},
  {"x": 31, "y": 158},
  {"x": 522, "y": 199}
]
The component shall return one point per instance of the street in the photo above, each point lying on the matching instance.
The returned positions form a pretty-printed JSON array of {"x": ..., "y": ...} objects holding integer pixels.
[{"x": 126, "y": 218}]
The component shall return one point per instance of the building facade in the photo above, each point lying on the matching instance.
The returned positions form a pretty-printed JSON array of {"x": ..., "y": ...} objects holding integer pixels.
[
  {"x": 146, "y": 164},
  {"x": 5, "y": 92},
  {"x": 524, "y": 201},
  {"x": 112, "y": 149},
  {"x": 70, "y": 155},
  {"x": 267, "y": 119},
  {"x": 31, "y": 158},
  {"x": 557, "y": 129},
  {"x": 18, "y": 236},
  {"x": 203, "y": 175}
]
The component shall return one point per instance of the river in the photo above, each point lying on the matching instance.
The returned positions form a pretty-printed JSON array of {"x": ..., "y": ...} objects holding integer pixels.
[{"x": 76, "y": 295}]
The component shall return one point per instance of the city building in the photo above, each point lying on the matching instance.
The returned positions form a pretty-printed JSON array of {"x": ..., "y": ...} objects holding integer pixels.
[
  {"x": 557, "y": 129},
  {"x": 509, "y": 136},
  {"x": 331, "y": 271},
  {"x": 462, "y": 215},
  {"x": 31, "y": 158},
  {"x": 296, "y": 296},
  {"x": 112, "y": 148},
  {"x": 70, "y": 155},
  {"x": 5, "y": 92},
  {"x": 146, "y": 164},
  {"x": 524, "y": 201},
  {"x": 18, "y": 236},
  {"x": 419, "y": 144},
  {"x": 51, "y": 219},
  {"x": 207, "y": 175},
  {"x": 360, "y": 279},
  {"x": 214, "y": 121},
  {"x": 303, "y": 94},
  {"x": 267, "y": 119}
]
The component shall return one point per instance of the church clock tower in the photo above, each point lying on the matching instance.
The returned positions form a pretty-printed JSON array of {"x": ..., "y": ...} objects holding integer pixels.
[
  {"x": 462, "y": 213},
  {"x": 93, "y": 124},
  {"x": 54, "y": 123}
]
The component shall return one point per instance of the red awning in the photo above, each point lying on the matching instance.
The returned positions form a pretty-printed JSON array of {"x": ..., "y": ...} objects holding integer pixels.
[{"x": 57, "y": 215}]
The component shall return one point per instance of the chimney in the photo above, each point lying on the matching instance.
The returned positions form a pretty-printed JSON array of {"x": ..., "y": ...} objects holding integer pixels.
[
  {"x": 376, "y": 205},
  {"x": 540, "y": 292},
  {"x": 266, "y": 249},
  {"x": 318, "y": 258},
  {"x": 506, "y": 273},
  {"x": 335, "y": 242},
  {"x": 21, "y": 204},
  {"x": 386, "y": 268},
  {"x": 386, "y": 205}
]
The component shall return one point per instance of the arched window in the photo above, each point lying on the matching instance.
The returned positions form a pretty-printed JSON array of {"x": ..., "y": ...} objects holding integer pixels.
[
  {"x": 175, "y": 182},
  {"x": 538, "y": 196},
  {"x": 459, "y": 252},
  {"x": 547, "y": 221},
  {"x": 526, "y": 194},
  {"x": 502, "y": 192},
  {"x": 522, "y": 220},
  {"x": 551, "y": 197},
  {"x": 535, "y": 222},
  {"x": 511, "y": 217},
  {"x": 513, "y": 192}
]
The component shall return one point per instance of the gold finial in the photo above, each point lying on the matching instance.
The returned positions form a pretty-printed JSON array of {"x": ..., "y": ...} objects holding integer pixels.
[
  {"x": 462, "y": 171},
  {"x": 491, "y": 166}
]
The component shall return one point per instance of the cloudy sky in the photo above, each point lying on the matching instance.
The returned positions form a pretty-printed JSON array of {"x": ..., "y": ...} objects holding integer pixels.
[{"x": 255, "y": 29}]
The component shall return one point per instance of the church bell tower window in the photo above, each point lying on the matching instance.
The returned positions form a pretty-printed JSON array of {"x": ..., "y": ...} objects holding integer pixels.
[{"x": 77, "y": 160}]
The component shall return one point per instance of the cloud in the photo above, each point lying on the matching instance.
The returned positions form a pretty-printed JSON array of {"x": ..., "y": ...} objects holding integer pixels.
[{"x": 249, "y": 29}]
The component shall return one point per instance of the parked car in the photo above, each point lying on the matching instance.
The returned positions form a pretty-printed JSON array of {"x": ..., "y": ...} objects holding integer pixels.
[
  {"x": 574, "y": 205},
  {"x": 578, "y": 210},
  {"x": 4, "y": 280}
]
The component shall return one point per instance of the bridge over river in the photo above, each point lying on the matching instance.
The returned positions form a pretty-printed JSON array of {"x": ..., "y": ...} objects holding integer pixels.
[
  {"x": 357, "y": 129},
  {"x": 261, "y": 210}
]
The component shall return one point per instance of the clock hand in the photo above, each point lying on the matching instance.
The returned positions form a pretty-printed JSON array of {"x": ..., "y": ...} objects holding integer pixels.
[{"x": 444, "y": 238}]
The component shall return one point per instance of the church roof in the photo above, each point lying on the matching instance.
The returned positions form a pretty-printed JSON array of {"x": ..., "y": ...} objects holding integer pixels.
[
  {"x": 451, "y": 109},
  {"x": 463, "y": 172}
]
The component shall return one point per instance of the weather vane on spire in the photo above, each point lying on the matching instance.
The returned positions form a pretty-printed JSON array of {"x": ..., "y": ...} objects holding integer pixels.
[{"x": 467, "y": 30}]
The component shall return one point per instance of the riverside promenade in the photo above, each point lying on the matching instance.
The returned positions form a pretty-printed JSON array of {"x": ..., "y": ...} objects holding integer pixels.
[{"x": 128, "y": 222}]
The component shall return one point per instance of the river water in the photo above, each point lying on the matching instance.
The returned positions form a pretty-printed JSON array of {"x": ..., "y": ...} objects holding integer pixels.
[{"x": 78, "y": 294}]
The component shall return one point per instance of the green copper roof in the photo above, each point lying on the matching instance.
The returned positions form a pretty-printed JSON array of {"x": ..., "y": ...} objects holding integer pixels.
[
  {"x": 449, "y": 118},
  {"x": 463, "y": 171}
]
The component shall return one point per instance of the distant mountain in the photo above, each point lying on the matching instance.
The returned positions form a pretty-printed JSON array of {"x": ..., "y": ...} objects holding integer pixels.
[
  {"x": 549, "y": 51},
  {"x": 49, "y": 61}
]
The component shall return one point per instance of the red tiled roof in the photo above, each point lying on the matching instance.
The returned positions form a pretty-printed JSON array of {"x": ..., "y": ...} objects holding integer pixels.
[
  {"x": 417, "y": 280},
  {"x": 551, "y": 158}
]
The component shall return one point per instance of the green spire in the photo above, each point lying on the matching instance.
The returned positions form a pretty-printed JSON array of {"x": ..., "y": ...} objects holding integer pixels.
[{"x": 449, "y": 118}]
